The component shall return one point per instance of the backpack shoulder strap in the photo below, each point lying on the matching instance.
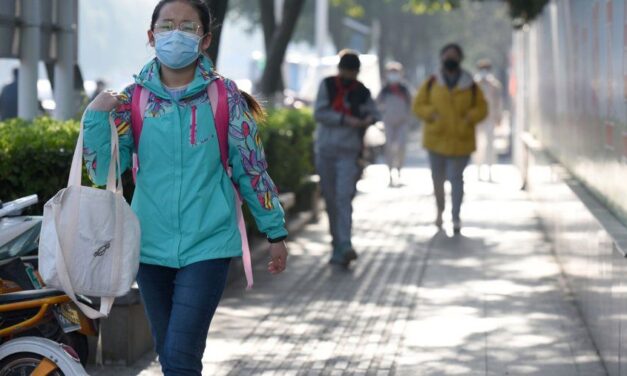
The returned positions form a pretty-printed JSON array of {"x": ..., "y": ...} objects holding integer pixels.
[
  {"x": 330, "y": 85},
  {"x": 139, "y": 100},
  {"x": 220, "y": 107},
  {"x": 406, "y": 94},
  {"x": 430, "y": 83},
  {"x": 473, "y": 89},
  {"x": 218, "y": 97}
]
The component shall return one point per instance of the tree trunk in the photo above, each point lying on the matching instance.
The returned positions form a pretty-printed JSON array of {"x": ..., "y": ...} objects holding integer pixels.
[
  {"x": 268, "y": 22},
  {"x": 383, "y": 42},
  {"x": 218, "y": 11},
  {"x": 336, "y": 28},
  {"x": 274, "y": 60}
]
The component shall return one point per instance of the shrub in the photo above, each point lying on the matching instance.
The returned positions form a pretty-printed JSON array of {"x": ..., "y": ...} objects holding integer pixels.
[
  {"x": 35, "y": 157},
  {"x": 288, "y": 141}
]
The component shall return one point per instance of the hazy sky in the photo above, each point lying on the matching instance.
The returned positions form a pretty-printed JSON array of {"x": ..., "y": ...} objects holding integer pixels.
[{"x": 113, "y": 42}]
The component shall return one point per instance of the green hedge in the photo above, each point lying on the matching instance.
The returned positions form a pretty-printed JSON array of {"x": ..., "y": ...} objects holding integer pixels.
[
  {"x": 35, "y": 156},
  {"x": 288, "y": 142}
]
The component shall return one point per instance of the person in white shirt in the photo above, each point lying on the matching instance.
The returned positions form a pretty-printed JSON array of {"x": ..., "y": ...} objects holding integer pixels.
[
  {"x": 395, "y": 101},
  {"x": 493, "y": 91}
]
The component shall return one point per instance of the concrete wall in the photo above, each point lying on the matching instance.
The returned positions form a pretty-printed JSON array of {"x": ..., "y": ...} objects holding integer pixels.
[
  {"x": 570, "y": 67},
  {"x": 570, "y": 120},
  {"x": 590, "y": 243}
]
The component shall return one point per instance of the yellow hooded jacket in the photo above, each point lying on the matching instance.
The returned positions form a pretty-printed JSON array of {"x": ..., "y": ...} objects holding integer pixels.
[{"x": 450, "y": 115}]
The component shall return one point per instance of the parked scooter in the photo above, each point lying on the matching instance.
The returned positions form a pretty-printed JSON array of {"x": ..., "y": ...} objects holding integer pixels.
[{"x": 42, "y": 332}]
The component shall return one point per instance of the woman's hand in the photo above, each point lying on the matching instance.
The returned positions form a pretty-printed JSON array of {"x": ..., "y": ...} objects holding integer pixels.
[
  {"x": 355, "y": 122},
  {"x": 352, "y": 121},
  {"x": 105, "y": 101},
  {"x": 278, "y": 258},
  {"x": 368, "y": 121}
]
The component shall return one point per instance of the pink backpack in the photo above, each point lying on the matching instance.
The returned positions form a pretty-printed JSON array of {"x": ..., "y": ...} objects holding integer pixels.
[{"x": 220, "y": 106}]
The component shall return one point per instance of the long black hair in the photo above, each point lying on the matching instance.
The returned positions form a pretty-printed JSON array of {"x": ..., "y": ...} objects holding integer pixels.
[{"x": 206, "y": 21}]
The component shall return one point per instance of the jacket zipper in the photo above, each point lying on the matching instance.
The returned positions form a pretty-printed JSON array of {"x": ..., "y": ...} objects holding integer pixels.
[{"x": 193, "y": 130}]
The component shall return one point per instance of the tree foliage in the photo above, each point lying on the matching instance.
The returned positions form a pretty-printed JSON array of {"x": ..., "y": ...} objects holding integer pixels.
[
  {"x": 411, "y": 31},
  {"x": 277, "y": 35},
  {"x": 276, "y": 45},
  {"x": 524, "y": 11},
  {"x": 218, "y": 11}
]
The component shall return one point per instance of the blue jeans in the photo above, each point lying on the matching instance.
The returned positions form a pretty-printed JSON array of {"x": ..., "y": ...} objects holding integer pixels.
[
  {"x": 180, "y": 304},
  {"x": 338, "y": 182},
  {"x": 451, "y": 168}
]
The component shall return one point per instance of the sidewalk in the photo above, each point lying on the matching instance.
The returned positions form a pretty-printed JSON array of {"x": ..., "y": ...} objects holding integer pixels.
[{"x": 417, "y": 302}]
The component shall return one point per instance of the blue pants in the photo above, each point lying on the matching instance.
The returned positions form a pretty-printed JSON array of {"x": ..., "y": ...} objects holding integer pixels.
[
  {"x": 338, "y": 182},
  {"x": 451, "y": 168},
  {"x": 180, "y": 304}
]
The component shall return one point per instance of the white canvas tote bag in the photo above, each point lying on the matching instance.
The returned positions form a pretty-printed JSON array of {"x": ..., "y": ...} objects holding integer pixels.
[{"x": 90, "y": 237}]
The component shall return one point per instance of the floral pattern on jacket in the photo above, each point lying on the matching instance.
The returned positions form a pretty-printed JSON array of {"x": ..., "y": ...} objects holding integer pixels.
[{"x": 243, "y": 131}]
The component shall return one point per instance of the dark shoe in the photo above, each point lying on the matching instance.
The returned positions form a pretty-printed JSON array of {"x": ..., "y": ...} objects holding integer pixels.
[
  {"x": 351, "y": 255},
  {"x": 457, "y": 227},
  {"x": 439, "y": 221},
  {"x": 339, "y": 258},
  {"x": 344, "y": 258},
  {"x": 334, "y": 261},
  {"x": 343, "y": 261}
]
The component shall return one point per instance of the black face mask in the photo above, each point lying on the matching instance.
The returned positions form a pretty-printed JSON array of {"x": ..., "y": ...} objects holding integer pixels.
[{"x": 451, "y": 65}]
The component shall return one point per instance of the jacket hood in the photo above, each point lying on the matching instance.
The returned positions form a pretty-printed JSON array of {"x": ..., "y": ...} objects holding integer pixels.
[
  {"x": 465, "y": 80},
  {"x": 150, "y": 78}
]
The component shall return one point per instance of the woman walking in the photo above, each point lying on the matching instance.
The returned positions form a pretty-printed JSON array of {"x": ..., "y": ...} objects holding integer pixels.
[
  {"x": 184, "y": 196},
  {"x": 394, "y": 100},
  {"x": 451, "y": 105}
]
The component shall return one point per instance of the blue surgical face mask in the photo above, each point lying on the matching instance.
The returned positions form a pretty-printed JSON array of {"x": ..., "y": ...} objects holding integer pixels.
[
  {"x": 177, "y": 49},
  {"x": 394, "y": 77}
]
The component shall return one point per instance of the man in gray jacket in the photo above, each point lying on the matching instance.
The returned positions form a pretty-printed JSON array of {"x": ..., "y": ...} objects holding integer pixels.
[{"x": 344, "y": 108}]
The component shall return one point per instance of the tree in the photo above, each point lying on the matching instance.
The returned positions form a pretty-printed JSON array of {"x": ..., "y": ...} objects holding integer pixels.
[
  {"x": 398, "y": 21},
  {"x": 218, "y": 11},
  {"x": 524, "y": 11},
  {"x": 270, "y": 79},
  {"x": 276, "y": 35},
  {"x": 411, "y": 30},
  {"x": 269, "y": 26}
]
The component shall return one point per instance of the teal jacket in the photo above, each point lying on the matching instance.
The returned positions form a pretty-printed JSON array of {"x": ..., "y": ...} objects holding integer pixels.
[{"x": 183, "y": 197}]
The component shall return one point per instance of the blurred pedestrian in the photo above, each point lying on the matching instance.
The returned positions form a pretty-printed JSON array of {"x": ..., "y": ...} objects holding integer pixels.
[
  {"x": 394, "y": 101},
  {"x": 451, "y": 105},
  {"x": 8, "y": 98},
  {"x": 493, "y": 91},
  {"x": 100, "y": 87},
  {"x": 344, "y": 108},
  {"x": 184, "y": 196}
]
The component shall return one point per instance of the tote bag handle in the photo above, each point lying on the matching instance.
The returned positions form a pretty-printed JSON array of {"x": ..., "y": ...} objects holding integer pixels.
[{"x": 106, "y": 303}]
